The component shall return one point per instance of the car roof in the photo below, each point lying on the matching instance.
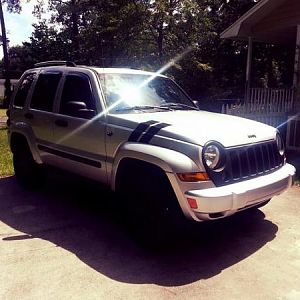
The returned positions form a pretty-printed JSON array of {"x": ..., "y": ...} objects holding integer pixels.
[
  {"x": 100, "y": 70},
  {"x": 120, "y": 71}
]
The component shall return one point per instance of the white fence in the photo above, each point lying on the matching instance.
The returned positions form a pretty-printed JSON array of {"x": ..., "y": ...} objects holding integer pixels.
[
  {"x": 293, "y": 133},
  {"x": 273, "y": 119},
  {"x": 269, "y": 106},
  {"x": 263, "y": 101},
  {"x": 272, "y": 107},
  {"x": 278, "y": 100}
]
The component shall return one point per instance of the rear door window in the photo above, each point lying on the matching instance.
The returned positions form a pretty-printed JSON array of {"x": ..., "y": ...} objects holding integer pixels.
[
  {"x": 45, "y": 91},
  {"x": 23, "y": 89}
]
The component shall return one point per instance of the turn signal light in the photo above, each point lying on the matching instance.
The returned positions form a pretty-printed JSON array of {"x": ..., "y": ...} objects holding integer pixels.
[
  {"x": 192, "y": 203},
  {"x": 193, "y": 177}
]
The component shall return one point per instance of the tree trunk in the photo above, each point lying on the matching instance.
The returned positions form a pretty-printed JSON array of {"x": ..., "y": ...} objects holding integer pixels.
[
  {"x": 7, "y": 84},
  {"x": 160, "y": 40},
  {"x": 75, "y": 28}
]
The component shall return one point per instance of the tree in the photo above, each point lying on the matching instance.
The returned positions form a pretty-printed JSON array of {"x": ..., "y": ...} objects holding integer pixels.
[
  {"x": 148, "y": 34},
  {"x": 12, "y": 6}
]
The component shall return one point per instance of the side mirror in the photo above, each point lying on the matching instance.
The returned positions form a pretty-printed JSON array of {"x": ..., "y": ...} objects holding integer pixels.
[
  {"x": 72, "y": 107},
  {"x": 86, "y": 113},
  {"x": 79, "y": 109}
]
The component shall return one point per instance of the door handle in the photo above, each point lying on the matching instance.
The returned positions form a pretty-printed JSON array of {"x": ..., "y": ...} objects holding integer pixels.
[
  {"x": 28, "y": 116},
  {"x": 61, "y": 123},
  {"x": 109, "y": 133}
]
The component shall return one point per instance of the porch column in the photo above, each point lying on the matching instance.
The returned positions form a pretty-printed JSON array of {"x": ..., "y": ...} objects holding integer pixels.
[
  {"x": 248, "y": 69},
  {"x": 296, "y": 79}
]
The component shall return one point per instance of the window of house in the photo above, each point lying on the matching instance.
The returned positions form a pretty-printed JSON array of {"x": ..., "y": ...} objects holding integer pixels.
[
  {"x": 23, "y": 89},
  {"x": 45, "y": 90}
]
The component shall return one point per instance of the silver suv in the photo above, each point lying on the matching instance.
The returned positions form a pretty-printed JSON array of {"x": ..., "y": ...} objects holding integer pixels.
[{"x": 140, "y": 134}]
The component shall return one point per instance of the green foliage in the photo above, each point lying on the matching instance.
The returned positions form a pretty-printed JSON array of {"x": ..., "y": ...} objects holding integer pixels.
[
  {"x": 6, "y": 167},
  {"x": 273, "y": 65},
  {"x": 2, "y": 112},
  {"x": 13, "y": 6}
]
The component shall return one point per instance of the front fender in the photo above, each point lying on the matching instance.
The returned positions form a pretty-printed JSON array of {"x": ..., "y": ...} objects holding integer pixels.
[{"x": 168, "y": 160}]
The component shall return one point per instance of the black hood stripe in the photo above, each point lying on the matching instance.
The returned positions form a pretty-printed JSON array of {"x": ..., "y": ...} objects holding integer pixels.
[
  {"x": 140, "y": 129},
  {"x": 151, "y": 132}
]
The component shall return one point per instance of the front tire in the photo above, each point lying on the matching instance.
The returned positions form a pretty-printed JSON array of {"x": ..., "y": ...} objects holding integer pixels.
[{"x": 150, "y": 205}]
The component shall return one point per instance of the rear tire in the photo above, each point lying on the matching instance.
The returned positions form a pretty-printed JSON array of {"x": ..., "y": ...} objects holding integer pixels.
[{"x": 28, "y": 173}]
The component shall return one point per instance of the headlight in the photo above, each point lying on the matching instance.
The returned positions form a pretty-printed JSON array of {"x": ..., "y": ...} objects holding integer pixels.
[
  {"x": 212, "y": 156},
  {"x": 280, "y": 144}
]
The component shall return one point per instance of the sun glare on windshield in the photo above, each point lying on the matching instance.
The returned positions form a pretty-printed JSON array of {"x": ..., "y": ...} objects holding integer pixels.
[{"x": 130, "y": 95}]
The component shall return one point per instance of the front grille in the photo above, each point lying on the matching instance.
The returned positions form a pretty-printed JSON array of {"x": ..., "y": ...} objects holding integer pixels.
[{"x": 248, "y": 162}]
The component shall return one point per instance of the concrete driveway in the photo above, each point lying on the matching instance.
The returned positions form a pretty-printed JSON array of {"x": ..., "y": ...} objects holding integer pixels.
[{"x": 64, "y": 242}]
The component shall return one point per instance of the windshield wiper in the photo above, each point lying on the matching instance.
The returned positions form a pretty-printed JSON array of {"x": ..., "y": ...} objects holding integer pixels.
[
  {"x": 178, "y": 105},
  {"x": 143, "y": 107}
]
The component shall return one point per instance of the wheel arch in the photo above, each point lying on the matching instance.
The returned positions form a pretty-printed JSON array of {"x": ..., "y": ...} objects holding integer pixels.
[
  {"x": 19, "y": 139},
  {"x": 129, "y": 164},
  {"x": 165, "y": 160}
]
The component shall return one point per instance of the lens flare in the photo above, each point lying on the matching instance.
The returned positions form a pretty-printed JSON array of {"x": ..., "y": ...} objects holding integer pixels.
[
  {"x": 288, "y": 120},
  {"x": 129, "y": 95}
]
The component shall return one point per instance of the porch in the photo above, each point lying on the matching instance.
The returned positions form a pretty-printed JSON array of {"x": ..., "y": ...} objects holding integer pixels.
[{"x": 273, "y": 22}]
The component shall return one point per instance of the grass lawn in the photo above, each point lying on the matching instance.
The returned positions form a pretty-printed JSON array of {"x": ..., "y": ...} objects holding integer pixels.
[
  {"x": 2, "y": 112},
  {"x": 6, "y": 167}
]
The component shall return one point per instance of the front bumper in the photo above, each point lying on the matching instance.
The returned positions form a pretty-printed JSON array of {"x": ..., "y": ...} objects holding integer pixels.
[{"x": 218, "y": 202}]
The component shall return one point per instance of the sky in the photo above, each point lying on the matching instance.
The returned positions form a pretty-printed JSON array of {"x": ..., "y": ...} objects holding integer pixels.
[{"x": 19, "y": 26}]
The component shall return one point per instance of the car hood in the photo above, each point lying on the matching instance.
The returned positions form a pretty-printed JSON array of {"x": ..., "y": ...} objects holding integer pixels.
[{"x": 200, "y": 127}]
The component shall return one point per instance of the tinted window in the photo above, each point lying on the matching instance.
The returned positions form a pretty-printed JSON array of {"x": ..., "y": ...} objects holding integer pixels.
[
  {"x": 23, "y": 90},
  {"x": 77, "y": 88},
  {"x": 44, "y": 92}
]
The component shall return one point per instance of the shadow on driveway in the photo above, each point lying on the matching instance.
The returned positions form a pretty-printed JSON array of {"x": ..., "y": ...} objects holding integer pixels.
[{"x": 76, "y": 215}]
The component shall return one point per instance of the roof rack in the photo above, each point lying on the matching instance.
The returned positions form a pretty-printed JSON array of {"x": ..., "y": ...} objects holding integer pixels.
[{"x": 55, "y": 63}]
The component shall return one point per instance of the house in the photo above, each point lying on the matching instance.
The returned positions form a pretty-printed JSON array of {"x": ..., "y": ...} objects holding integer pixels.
[{"x": 275, "y": 22}]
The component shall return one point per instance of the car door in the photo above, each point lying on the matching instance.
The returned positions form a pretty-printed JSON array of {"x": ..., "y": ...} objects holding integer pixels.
[
  {"x": 40, "y": 110},
  {"x": 78, "y": 131},
  {"x": 23, "y": 92}
]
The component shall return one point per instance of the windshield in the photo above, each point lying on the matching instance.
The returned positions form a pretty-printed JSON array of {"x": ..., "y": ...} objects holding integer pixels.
[{"x": 133, "y": 92}]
